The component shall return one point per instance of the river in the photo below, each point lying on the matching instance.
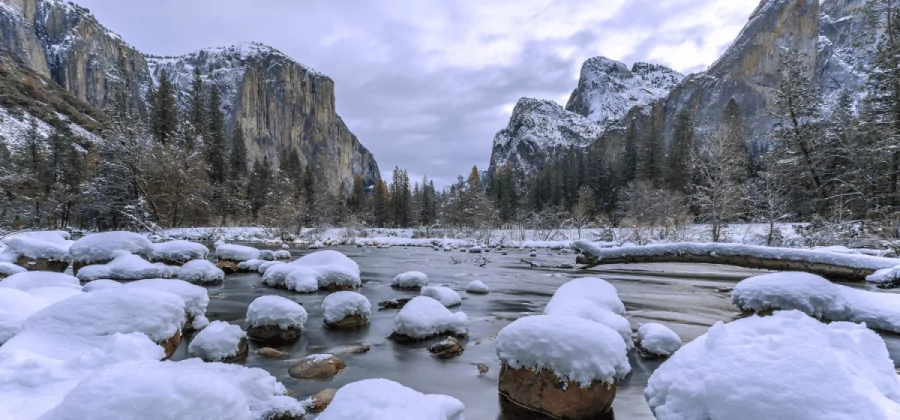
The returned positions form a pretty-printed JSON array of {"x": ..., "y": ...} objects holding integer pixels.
[{"x": 688, "y": 298}]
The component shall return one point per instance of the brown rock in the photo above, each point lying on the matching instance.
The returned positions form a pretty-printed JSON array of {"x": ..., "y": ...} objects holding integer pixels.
[
  {"x": 317, "y": 367},
  {"x": 42, "y": 264},
  {"x": 269, "y": 352},
  {"x": 243, "y": 350},
  {"x": 171, "y": 344},
  {"x": 546, "y": 393},
  {"x": 398, "y": 303},
  {"x": 447, "y": 348},
  {"x": 273, "y": 335},
  {"x": 483, "y": 368},
  {"x": 360, "y": 349},
  {"x": 349, "y": 322},
  {"x": 322, "y": 398},
  {"x": 338, "y": 287},
  {"x": 228, "y": 266}
]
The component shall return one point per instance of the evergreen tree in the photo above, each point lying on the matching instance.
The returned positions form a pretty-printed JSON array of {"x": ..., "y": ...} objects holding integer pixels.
[
  {"x": 381, "y": 204},
  {"x": 259, "y": 186},
  {"x": 238, "y": 164},
  {"x": 737, "y": 131},
  {"x": 630, "y": 154},
  {"x": 164, "y": 111},
  {"x": 884, "y": 93},
  {"x": 214, "y": 146},
  {"x": 357, "y": 200},
  {"x": 680, "y": 157},
  {"x": 196, "y": 111}
]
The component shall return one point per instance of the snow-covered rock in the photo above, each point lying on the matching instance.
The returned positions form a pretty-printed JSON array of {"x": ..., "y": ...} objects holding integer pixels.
[
  {"x": 189, "y": 389},
  {"x": 346, "y": 310},
  {"x": 302, "y": 280},
  {"x": 201, "y": 271},
  {"x": 105, "y": 246},
  {"x": 476, "y": 250},
  {"x": 276, "y": 274},
  {"x": 808, "y": 293},
  {"x": 250, "y": 265},
  {"x": 218, "y": 342},
  {"x": 282, "y": 254},
  {"x": 127, "y": 266},
  {"x": 8, "y": 269},
  {"x": 478, "y": 287},
  {"x": 334, "y": 270},
  {"x": 100, "y": 285},
  {"x": 424, "y": 317},
  {"x": 17, "y": 305},
  {"x": 412, "y": 280},
  {"x": 596, "y": 292},
  {"x": 261, "y": 269},
  {"x": 885, "y": 276},
  {"x": 382, "y": 399},
  {"x": 316, "y": 245},
  {"x": 266, "y": 255},
  {"x": 28, "y": 280},
  {"x": 275, "y": 320},
  {"x": 195, "y": 298},
  {"x": 236, "y": 253},
  {"x": 48, "y": 250},
  {"x": 784, "y": 366},
  {"x": 445, "y": 295},
  {"x": 657, "y": 340},
  {"x": 179, "y": 252}
]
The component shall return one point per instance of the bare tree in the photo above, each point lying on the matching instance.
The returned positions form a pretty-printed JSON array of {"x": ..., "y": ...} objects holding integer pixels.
[
  {"x": 769, "y": 201},
  {"x": 583, "y": 210},
  {"x": 718, "y": 166}
]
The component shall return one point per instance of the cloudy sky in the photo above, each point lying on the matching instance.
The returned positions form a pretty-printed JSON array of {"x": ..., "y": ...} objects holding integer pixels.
[{"x": 426, "y": 84}]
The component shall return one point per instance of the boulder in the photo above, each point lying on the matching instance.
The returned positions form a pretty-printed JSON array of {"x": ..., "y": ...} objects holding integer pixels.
[
  {"x": 544, "y": 392},
  {"x": 447, "y": 348},
  {"x": 171, "y": 344},
  {"x": 349, "y": 322},
  {"x": 321, "y": 399},
  {"x": 398, "y": 303},
  {"x": 228, "y": 266},
  {"x": 269, "y": 352},
  {"x": 360, "y": 349},
  {"x": 42, "y": 264},
  {"x": 317, "y": 366},
  {"x": 273, "y": 335}
]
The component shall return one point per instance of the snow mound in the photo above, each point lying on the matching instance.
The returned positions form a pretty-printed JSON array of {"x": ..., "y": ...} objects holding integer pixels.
[
  {"x": 232, "y": 252},
  {"x": 808, "y": 293},
  {"x": 195, "y": 298},
  {"x": 126, "y": 266},
  {"x": 276, "y": 274},
  {"x": 261, "y": 269},
  {"x": 188, "y": 389},
  {"x": 250, "y": 265},
  {"x": 28, "y": 280},
  {"x": 339, "y": 305},
  {"x": 266, "y": 255},
  {"x": 103, "y": 246},
  {"x": 424, "y": 317},
  {"x": 8, "y": 269},
  {"x": 887, "y": 276},
  {"x": 302, "y": 280},
  {"x": 333, "y": 269},
  {"x": 574, "y": 349},
  {"x": 283, "y": 254},
  {"x": 17, "y": 305},
  {"x": 217, "y": 342},
  {"x": 276, "y": 310},
  {"x": 100, "y": 285},
  {"x": 201, "y": 271},
  {"x": 784, "y": 366},
  {"x": 410, "y": 280},
  {"x": 592, "y": 299},
  {"x": 179, "y": 252},
  {"x": 445, "y": 295},
  {"x": 382, "y": 399},
  {"x": 477, "y": 286},
  {"x": 52, "y": 245},
  {"x": 658, "y": 339},
  {"x": 84, "y": 322}
]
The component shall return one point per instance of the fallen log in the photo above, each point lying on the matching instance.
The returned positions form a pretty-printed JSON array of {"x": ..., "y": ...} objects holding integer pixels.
[{"x": 831, "y": 265}]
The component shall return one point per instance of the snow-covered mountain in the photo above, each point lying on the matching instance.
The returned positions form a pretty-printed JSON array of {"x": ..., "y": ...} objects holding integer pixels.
[
  {"x": 607, "y": 89},
  {"x": 71, "y": 57},
  {"x": 536, "y": 127}
]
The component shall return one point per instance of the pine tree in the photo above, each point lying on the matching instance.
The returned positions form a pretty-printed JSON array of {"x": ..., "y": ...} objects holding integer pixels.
[
  {"x": 238, "y": 164},
  {"x": 884, "y": 92},
  {"x": 680, "y": 157},
  {"x": 630, "y": 154},
  {"x": 259, "y": 186},
  {"x": 381, "y": 204},
  {"x": 164, "y": 111},
  {"x": 214, "y": 146},
  {"x": 196, "y": 111},
  {"x": 737, "y": 131},
  {"x": 357, "y": 200}
]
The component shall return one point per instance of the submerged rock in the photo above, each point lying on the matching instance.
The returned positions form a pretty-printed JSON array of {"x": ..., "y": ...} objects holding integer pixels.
[
  {"x": 317, "y": 366},
  {"x": 269, "y": 352},
  {"x": 360, "y": 349},
  {"x": 447, "y": 348},
  {"x": 273, "y": 334},
  {"x": 321, "y": 399},
  {"x": 483, "y": 368},
  {"x": 398, "y": 303}
]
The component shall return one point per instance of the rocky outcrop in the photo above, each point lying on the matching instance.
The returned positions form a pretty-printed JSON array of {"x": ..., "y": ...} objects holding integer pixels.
[{"x": 281, "y": 104}]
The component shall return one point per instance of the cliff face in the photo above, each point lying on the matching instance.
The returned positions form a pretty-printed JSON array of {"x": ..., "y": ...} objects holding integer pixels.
[{"x": 281, "y": 104}]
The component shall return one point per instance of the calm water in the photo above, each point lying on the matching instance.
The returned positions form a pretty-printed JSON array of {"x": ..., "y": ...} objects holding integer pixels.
[{"x": 684, "y": 297}]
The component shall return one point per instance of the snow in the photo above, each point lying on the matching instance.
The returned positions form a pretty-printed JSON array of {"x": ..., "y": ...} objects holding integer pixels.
[
  {"x": 784, "y": 366},
  {"x": 301, "y": 280},
  {"x": 382, "y": 399},
  {"x": 179, "y": 251},
  {"x": 658, "y": 339},
  {"x": 424, "y": 317},
  {"x": 52, "y": 245},
  {"x": 316, "y": 245},
  {"x": 410, "y": 280},
  {"x": 445, "y": 295},
  {"x": 266, "y": 255},
  {"x": 126, "y": 266},
  {"x": 572, "y": 348},
  {"x": 819, "y": 298},
  {"x": 218, "y": 341},
  {"x": 339, "y": 305},
  {"x": 261, "y": 269},
  {"x": 188, "y": 389},
  {"x": 332, "y": 268},
  {"x": 232, "y": 252},
  {"x": 276, "y": 310},
  {"x": 103, "y": 246},
  {"x": 8, "y": 269},
  {"x": 476, "y": 250},
  {"x": 100, "y": 285},
  {"x": 276, "y": 274},
  {"x": 201, "y": 271},
  {"x": 477, "y": 286},
  {"x": 722, "y": 249},
  {"x": 29, "y": 280},
  {"x": 17, "y": 305},
  {"x": 83, "y": 322},
  {"x": 282, "y": 254},
  {"x": 250, "y": 265},
  {"x": 590, "y": 290},
  {"x": 886, "y": 276},
  {"x": 195, "y": 298}
]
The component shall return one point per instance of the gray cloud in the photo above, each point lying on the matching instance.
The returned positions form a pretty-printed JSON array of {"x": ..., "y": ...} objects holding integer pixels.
[{"x": 426, "y": 84}]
